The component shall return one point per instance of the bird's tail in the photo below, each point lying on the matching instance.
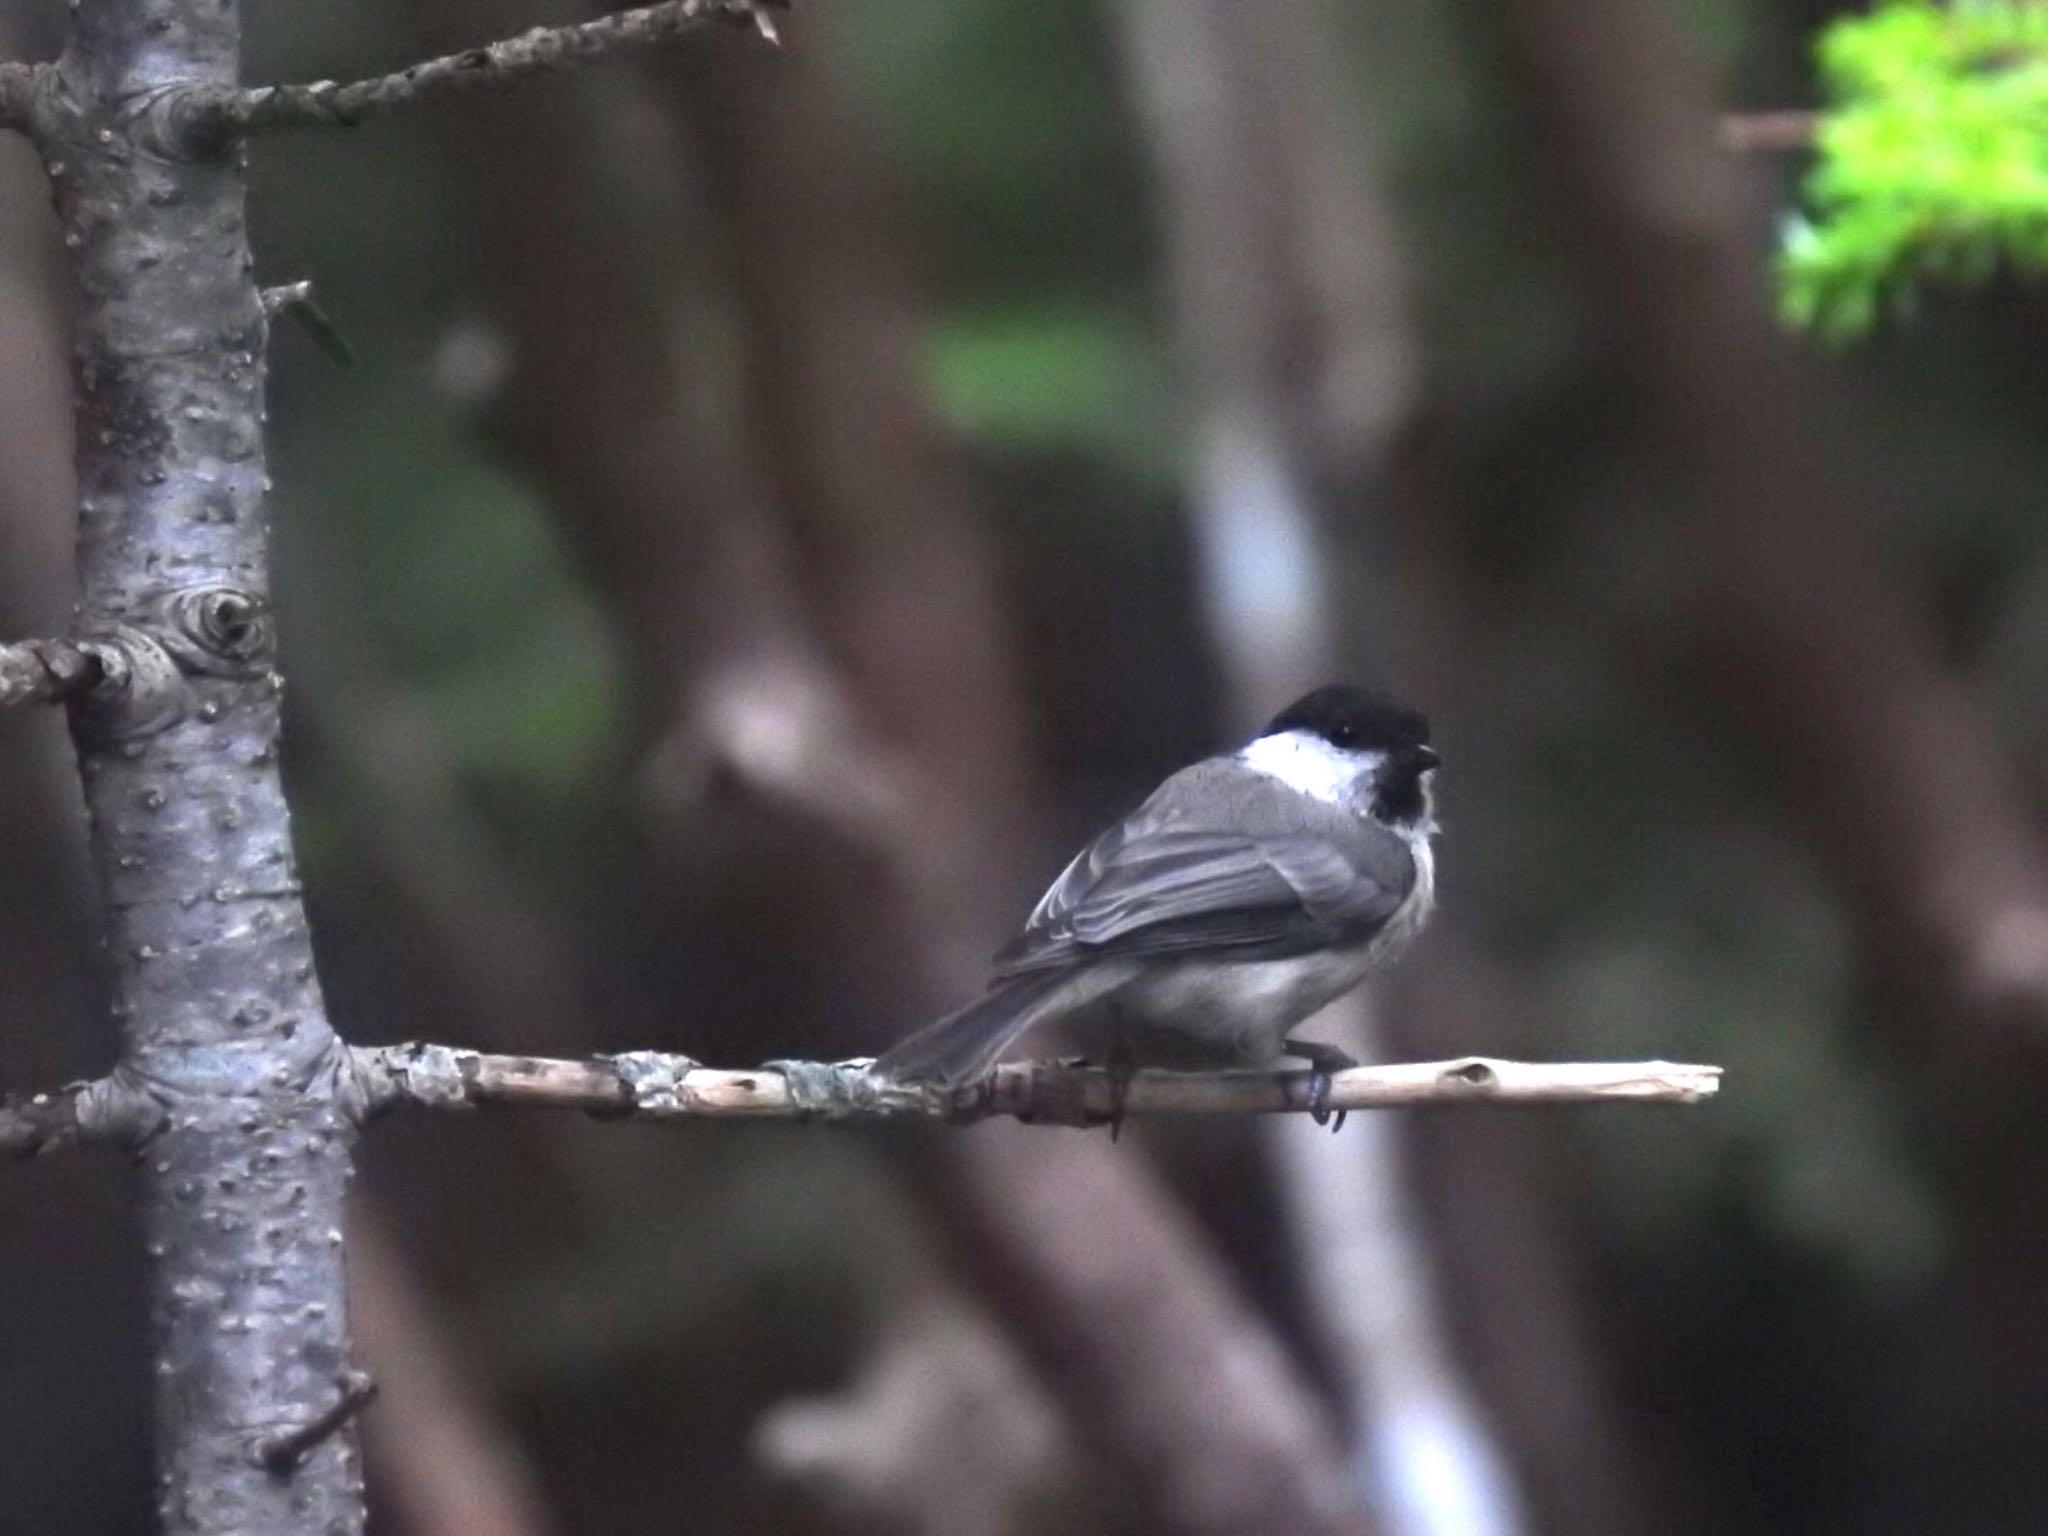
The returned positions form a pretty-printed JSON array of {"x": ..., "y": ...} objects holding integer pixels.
[{"x": 963, "y": 1045}]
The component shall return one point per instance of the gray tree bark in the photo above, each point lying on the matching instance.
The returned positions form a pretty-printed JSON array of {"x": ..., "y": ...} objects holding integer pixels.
[
  {"x": 73, "y": 1317},
  {"x": 230, "y": 1075}
]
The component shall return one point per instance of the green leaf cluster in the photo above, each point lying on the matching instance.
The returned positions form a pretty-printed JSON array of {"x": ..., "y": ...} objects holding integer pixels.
[{"x": 1933, "y": 160}]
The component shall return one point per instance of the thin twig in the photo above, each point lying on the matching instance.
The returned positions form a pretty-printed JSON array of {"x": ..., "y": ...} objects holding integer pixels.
[
  {"x": 660, "y": 1085},
  {"x": 297, "y": 301},
  {"x": 543, "y": 50},
  {"x": 276, "y": 300},
  {"x": 34, "y": 1123},
  {"x": 46, "y": 671},
  {"x": 113, "y": 1109},
  {"x": 282, "y": 1453},
  {"x": 1749, "y": 133}
]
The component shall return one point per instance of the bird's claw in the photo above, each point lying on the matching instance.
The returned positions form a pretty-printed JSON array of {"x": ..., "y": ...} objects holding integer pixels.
[
  {"x": 1322, "y": 1061},
  {"x": 1319, "y": 1102}
]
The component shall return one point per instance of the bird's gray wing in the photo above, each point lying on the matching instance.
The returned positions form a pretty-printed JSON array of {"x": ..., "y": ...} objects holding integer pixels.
[{"x": 1253, "y": 872}]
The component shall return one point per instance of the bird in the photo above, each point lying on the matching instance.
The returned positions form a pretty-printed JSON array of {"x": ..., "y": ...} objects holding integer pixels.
[{"x": 1249, "y": 890}]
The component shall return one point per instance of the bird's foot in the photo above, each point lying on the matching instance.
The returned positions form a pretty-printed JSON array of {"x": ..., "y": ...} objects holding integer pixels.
[
  {"x": 1322, "y": 1061},
  {"x": 1319, "y": 1101}
]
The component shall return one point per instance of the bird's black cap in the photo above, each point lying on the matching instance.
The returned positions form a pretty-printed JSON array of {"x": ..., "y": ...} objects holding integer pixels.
[{"x": 1346, "y": 716}]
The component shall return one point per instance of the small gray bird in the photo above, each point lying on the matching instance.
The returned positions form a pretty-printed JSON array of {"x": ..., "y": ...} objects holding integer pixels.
[{"x": 1246, "y": 893}]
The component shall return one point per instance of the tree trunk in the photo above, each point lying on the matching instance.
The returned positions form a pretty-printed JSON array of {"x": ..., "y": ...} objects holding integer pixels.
[
  {"x": 72, "y": 1334},
  {"x": 229, "y": 1067}
]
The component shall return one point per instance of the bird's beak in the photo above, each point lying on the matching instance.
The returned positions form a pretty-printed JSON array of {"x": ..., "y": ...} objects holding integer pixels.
[{"x": 1424, "y": 758}]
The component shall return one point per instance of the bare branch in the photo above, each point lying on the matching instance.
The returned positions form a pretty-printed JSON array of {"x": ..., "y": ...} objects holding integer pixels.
[
  {"x": 544, "y": 50},
  {"x": 17, "y": 96},
  {"x": 283, "y": 1452},
  {"x": 297, "y": 301},
  {"x": 1750, "y": 133},
  {"x": 48, "y": 671},
  {"x": 106, "y": 1109},
  {"x": 31, "y": 1124},
  {"x": 284, "y": 297},
  {"x": 662, "y": 1085}
]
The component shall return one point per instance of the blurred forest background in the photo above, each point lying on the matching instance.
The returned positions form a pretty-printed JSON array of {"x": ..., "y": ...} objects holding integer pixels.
[{"x": 785, "y": 499}]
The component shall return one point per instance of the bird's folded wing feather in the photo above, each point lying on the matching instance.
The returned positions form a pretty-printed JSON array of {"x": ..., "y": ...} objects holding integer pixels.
[{"x": 1154, "y": 884}]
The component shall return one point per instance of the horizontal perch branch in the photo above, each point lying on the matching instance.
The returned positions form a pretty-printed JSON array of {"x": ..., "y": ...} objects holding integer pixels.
[
  {"x": 658, "y": 1085},
  {"x": 544, "y": 50},
  {"x": 44, "y": 671}
]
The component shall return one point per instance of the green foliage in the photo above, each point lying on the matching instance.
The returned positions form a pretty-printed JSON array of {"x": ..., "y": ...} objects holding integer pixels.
[
  {"x": 1933, "y": 162},
  {"x": 1088, "y": 382}
]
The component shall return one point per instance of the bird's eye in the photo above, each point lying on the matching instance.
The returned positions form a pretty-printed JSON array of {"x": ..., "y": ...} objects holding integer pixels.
[{"x": 1344, "y": 735}]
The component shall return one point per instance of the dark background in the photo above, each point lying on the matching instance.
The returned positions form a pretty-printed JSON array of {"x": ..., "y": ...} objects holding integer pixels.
[{"x": 784, "y": 499}]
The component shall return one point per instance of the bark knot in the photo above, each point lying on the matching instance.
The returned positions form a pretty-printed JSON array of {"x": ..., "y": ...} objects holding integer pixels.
[
  {"x": 218, "y": 631},
  {"x": 146, "y": 662}
]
